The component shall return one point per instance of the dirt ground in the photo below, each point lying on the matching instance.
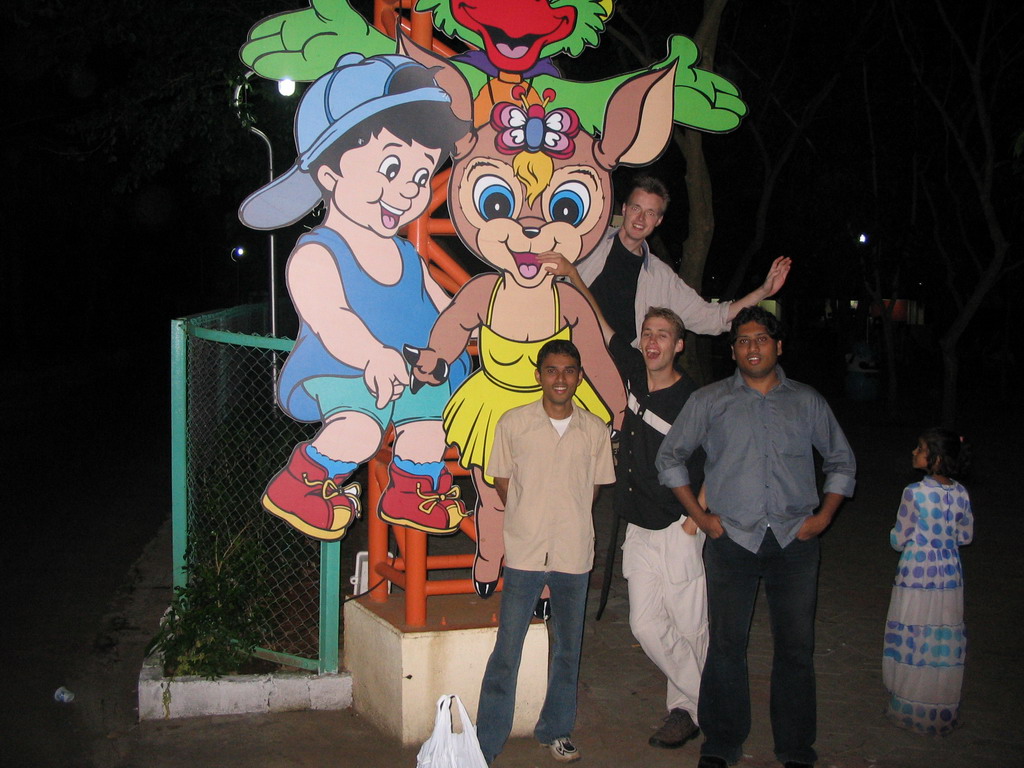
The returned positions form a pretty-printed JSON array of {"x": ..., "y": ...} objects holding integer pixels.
[{"x": 86, "y": 564}]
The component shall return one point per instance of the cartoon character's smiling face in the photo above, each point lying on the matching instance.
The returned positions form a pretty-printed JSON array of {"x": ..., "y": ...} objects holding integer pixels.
[
  {"x": 515, "y": 31},
  {"x": 531, "y": 181},
  {"x": 508, "y": 231},
  {"x": 381, "y": 185}
]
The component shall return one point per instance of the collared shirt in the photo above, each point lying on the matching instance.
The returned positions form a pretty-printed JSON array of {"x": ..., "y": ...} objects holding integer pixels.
[
  {"x": 659, "y": 286},
  {"x": 639, "y": 498},
  {"x": 760, "y": 466},
  {"x": 548, "y": 520}
]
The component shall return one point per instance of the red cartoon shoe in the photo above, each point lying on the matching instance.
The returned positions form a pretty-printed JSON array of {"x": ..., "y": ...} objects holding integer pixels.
[
  {"x": 411, "y": 501},
  {"x": 307, "y": 499}
]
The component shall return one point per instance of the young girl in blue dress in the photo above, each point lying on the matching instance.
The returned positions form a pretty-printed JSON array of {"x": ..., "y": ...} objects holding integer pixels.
[{"x": 925, "y": 636}]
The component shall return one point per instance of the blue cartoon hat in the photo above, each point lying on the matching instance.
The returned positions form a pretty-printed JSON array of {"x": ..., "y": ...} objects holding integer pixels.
[{"x": 356, "y": 89}]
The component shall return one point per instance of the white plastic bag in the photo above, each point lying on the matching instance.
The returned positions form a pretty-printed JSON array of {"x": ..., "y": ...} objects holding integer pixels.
[{"x": 447, "y": 749}]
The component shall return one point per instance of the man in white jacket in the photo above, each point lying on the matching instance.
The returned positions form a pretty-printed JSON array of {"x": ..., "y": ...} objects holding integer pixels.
[{"x": 625, "y": 278}]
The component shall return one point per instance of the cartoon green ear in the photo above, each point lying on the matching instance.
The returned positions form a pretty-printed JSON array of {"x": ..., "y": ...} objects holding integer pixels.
[{"x": 638, "y": 120}]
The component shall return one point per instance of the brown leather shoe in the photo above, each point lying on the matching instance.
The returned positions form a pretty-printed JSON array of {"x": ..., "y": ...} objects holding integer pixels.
[{"x": 677, "y": 729}]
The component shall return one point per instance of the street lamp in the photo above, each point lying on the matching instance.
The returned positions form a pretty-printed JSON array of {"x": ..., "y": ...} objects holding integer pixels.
[{"x": 270, "y": 177}]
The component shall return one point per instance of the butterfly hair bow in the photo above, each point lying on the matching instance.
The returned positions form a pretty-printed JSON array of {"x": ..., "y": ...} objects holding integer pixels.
[{"x": 532, "y": 128}]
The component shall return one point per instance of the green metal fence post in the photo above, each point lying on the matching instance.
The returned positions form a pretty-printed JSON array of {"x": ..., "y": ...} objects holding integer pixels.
[
  {"x": 330, "y": 608},
  {"x": 330, "y": 604},
  {"x": 179, "y": 488},
  {"x": 228, "y": 439}
]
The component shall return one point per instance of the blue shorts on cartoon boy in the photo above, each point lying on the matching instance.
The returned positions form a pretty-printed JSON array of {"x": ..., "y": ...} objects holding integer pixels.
[{"x": 370, "y": 135}]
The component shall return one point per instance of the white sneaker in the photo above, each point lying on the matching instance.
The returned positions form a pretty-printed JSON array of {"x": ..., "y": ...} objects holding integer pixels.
[{"x": 563, "y": 750}]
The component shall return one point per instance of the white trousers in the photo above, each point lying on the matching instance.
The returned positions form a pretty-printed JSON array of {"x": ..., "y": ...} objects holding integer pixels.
[{"x": 668, "y": 606}]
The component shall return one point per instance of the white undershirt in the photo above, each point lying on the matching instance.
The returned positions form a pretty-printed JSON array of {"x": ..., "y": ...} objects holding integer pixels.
[{"x": 561, "y": 425}]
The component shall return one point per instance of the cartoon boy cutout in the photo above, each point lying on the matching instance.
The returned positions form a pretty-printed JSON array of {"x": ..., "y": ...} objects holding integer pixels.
[{"x": 370, "y": 135}]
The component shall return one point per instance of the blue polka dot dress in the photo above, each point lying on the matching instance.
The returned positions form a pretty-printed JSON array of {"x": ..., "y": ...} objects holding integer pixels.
[{"x": 925, "y": 636}]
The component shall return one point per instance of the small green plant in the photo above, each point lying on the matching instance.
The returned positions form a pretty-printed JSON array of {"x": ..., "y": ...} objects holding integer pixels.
[{"x": 216, "y": 620}]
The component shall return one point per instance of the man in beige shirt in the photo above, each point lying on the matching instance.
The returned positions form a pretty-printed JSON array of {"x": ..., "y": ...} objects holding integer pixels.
[{"x": 548, "y": 459}]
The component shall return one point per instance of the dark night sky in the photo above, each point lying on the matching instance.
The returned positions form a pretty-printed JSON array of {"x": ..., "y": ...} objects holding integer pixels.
[{"x": 139, "y": 92}]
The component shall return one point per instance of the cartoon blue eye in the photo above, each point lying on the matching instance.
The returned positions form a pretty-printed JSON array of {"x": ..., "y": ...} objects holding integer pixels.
[
  {"x": 570, "y": 203},
  {"x": 493, "y": 198},
  {"x": 389, "y": 167}
]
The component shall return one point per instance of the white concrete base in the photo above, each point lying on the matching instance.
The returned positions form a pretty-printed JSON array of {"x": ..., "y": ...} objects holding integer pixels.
[
  {"x": 166, "y": 697},
  {"x": 399, "y": 672}
]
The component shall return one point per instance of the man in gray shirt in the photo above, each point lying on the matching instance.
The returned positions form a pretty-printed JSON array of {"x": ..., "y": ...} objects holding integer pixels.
[{"x": 758, "y": 428}]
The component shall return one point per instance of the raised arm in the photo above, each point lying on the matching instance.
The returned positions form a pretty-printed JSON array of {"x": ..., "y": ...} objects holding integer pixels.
[{"x": 773, "y": 282}]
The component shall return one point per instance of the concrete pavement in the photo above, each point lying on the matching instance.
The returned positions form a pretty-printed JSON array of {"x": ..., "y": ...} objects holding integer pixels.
[{"x": 621, "y": 692}]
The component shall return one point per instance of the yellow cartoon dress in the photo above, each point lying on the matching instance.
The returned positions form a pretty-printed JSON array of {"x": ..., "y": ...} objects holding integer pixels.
[{"x": 504, "y": 381}]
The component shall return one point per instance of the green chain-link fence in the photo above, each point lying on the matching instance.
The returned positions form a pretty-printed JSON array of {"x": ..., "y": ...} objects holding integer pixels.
[{"x": 229, "y": 438}]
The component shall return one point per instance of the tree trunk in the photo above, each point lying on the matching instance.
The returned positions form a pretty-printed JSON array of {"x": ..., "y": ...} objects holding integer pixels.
[
  {"x": 701, "y": 215},
  {"x": 697, "y": 361}
]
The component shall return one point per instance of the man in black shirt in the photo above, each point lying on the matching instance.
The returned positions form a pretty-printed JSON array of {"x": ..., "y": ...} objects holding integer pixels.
[
  {"x": 614, "y": 290},
  {"x": 662, "y": 553}
]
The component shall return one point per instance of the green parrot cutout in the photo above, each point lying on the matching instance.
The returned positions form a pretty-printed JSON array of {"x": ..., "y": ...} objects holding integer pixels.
[{"x": 515, "y": 42}]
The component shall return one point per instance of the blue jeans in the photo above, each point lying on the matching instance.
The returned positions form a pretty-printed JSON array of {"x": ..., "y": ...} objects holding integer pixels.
[
  {"x": 498, "y": 693},
  {"x": 791, "y": 586}
]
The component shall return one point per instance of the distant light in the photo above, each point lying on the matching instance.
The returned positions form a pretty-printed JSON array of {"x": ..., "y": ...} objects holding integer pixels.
[
  {"x": 286, "y": 87},
  {"x": 854, "y": 303},
  {"x": 238, "y": 253},
  {"x": 863, "y": 239}
]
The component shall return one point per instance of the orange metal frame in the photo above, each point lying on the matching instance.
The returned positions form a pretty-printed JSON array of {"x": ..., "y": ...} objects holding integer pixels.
[{"x": 409, "y": 568}]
